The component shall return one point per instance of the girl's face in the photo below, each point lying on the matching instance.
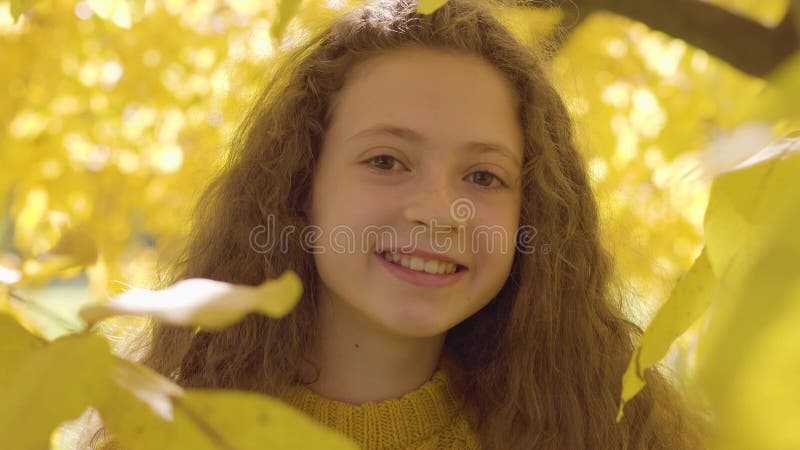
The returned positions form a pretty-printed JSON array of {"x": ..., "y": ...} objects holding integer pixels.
[{"x": 419, "y": 139}]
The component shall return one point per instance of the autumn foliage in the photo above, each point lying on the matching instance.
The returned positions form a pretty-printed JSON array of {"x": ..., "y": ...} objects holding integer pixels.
[{"x": 111, "y": 125}]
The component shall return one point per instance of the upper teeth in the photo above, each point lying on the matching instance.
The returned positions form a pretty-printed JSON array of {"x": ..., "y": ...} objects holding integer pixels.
[{"x": 420, "y": 264}]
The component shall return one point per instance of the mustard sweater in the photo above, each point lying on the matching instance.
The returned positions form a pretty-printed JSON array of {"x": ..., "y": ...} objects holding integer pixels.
[{"x": 429, "y": 418}]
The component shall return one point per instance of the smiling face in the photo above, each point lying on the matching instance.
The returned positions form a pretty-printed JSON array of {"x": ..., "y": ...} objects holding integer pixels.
[{"x": 419, "y": 139}]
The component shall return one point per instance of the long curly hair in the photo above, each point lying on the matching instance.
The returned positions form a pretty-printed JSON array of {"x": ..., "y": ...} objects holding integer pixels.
[{"x": 541, "y": 364}]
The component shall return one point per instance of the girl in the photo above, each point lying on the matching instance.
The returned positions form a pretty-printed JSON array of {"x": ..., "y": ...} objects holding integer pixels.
[{"x": 402, "y": 121}]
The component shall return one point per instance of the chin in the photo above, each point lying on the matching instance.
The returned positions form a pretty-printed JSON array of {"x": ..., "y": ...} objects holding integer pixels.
[{"x": 413, "y": 326}]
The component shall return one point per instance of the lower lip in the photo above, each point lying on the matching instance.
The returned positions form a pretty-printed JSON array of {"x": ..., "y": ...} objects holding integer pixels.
[{"x": 421, "y": 278}]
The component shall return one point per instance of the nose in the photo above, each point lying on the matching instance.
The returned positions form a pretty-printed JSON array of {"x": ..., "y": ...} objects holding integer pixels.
[{"x": 432, "y": 206}]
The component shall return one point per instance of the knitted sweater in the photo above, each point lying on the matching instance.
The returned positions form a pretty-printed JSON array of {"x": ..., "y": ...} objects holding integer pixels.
[{"x": 428, "y": 418}]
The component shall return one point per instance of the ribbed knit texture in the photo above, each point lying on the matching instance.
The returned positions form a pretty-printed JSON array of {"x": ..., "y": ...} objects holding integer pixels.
[{"x": 429, "y": 418}]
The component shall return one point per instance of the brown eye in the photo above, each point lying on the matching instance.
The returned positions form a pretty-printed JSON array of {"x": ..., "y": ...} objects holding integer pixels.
[
  {"x": 484, "y": 179},
  {"x": 383, "y": 162}
]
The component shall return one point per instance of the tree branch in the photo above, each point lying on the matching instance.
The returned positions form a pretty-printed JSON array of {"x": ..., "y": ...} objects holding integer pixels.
[{"x": 743, "y": 43}]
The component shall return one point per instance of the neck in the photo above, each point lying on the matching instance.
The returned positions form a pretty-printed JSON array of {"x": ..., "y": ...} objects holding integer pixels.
[{"x": 361, "y": 362}]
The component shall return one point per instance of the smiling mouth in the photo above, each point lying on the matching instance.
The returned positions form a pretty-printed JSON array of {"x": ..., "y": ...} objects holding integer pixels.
[{"x": 420, "y": 265}]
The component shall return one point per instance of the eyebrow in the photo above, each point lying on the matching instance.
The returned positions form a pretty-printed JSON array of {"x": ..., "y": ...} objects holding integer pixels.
[{"x": 415, "y": 137}]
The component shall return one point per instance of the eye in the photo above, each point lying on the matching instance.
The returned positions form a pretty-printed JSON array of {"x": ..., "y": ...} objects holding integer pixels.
[
  {"x": 382, "y": 162},
  {"x": 484, "y": 179}
]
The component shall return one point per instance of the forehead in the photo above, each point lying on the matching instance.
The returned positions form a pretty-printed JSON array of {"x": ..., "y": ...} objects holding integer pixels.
[{"x": 445, "y": 95}]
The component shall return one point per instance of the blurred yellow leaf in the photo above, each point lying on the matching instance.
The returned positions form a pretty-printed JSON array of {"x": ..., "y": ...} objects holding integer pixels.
[
  {"x": 122, "y": 13},
  {"x": 75, "y": 250},
  {"x": 429, "y": 6},
  {"x": 37, "y": 229},
  {"x": 765, "y": 380},
  {"x": 689, "y": 300},
  {"x": 53, "y": 384},
  {"x": 776, "y": 100},
  {"x": 743, "y": 207},
  {"x": 742, "y": 147},
  {"x": 20, "y": 6},
  {"x": 287, "y": 9},
  {"x": 9, "y": 304},
  {"x": 205, "y": 303},
  {"x": 16, "y": 343},
  {"x": 148, "y": 386},
  {"x": 9, "y": 276},
  {"x": 137, "y": 408},
  {"x": 250, "y": 421},
  {"x": 147, "y": 411},
  {"x": 531, "y": 25},
  {"x": 43, "y": 386},
  {"x": 749, "y": 343}
]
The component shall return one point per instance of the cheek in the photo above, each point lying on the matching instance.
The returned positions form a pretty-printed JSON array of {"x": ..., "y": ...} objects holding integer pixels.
[
  {"x": 494, "y": 235},
  {"x": 345, "y": 200}
]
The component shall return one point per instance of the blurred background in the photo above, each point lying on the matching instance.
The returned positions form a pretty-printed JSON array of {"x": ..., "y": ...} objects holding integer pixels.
[{"x": 114, "y": 115}]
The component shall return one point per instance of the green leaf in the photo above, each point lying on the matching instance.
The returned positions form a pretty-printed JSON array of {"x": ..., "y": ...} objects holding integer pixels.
[{"x": 688, "y": 301}]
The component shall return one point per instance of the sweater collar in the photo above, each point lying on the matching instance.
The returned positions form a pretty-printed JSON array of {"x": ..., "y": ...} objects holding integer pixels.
[{"x": 393, "y": 423}]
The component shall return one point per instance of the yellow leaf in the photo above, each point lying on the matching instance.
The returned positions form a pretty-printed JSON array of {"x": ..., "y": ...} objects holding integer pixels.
[
  {"x": 730, "y": 149},
  {"x": 749, "y": 345},
  {"x": 250, "y": 421},
  {"x": 15, "y": 313},
  {"x": 122, "y": 13},
  {"x": 147, "y": 385},
  {"x": 745, "y": 147},
  {"x": 53, "y": 384},
  {"x": 742, "y": 208},
  {"x": 631, "y": 384},
  {"x": 20, "y": 6},
  {"x": 777, "y": 99},
  {"x": 16, "y": 343},
  {"x": 531, "y": 26},
  {"x": 287, "y": 9},
  {"x": 72, "y": 253},
  {"x": 139, "y": 413},
  {"x": 36, "y": 229},
  {"x": 688, "y": 301},
  {"x": 429, "y": 6},
  {"x": 145, "y": 410},
  {"x": 9, "y": 276},
  {"x": 205, "y": 303},
  {"x": 4, "y": 305},
  {"x": 764, "y": 403}
]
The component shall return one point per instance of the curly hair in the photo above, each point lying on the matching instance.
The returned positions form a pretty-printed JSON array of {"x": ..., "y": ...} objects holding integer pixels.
[{"x": 542, "y": 363}]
